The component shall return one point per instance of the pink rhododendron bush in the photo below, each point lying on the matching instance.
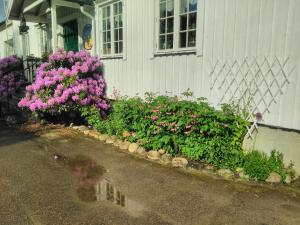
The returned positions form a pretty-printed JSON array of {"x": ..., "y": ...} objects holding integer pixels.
[
  {"x": 67, "y": 82},
  {"x": 11, "y": 75}
]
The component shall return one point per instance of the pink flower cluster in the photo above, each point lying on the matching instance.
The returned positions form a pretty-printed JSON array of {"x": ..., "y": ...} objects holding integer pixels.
[
  {"x": 10, "y": 75},
  {"x": 67, "y": 81}
]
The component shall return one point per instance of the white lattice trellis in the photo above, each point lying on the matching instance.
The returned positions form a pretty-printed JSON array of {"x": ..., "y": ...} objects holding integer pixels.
[{"x": 252, "y": 83}]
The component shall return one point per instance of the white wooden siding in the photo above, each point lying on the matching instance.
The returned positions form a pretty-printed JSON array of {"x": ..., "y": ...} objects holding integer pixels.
[{"x": 233, "y": 29}]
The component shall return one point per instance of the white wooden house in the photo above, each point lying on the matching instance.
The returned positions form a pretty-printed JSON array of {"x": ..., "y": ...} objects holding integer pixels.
[{"x": 245, "y": 51}]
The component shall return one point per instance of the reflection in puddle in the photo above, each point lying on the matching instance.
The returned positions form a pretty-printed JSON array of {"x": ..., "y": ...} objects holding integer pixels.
[
  {"x": 106, "y": 191},
  {"x": 92, "y": 186}
]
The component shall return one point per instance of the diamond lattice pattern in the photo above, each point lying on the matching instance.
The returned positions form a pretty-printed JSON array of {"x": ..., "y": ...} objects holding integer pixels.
[{"x": 252, "y": 83}]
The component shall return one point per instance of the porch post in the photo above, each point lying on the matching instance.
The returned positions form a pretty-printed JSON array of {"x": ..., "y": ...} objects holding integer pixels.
[{"x": 54, "y": 25}]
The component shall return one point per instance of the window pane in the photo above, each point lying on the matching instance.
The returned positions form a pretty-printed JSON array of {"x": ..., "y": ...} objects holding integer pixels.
[
  {"x": 116, "y": 21},
  {"x": 162, "y": 9},
  {"x": 104, "y": 48},
  {"x": 192, "y": 39},
  {"x": 116, "y": 9},
  {"x": 162, "y": 42},
  {"x": 169, "y": 41},
  {"x": 182, "y": 41},
  {"x": 170, "y": 26},
  {"x": 108, "y": 11},
  {"x": 108, "y": 36},
  {"x": 104, "y": 25},
  {"x": 183, "y": 6},
  {"x": 104, "y": 37},
  {"x": 120, "y": 8},
  {"x": 104, "y": 12},
  {"x": 170, "y": 7},
  {"x": 192, "y": 5},
  {"x": 121, "y": 34},
  {"x": 108, "y": 24},
  {"x": 116, "y": 47},
  {"x": 120, "y": 21},
  {"x": 116, "y": 33},
  {"x": 121, "y": 47},
  {"x": 192, "y": 20},
  {"x": 162, "y": 26},
  {"x": 108, "y": 48},
  {"x": 183, "y": 22}
]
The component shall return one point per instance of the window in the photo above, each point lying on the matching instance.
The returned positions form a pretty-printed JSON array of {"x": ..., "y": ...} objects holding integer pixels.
[
  {"x": 111, "y": 28},
  {"x": 177, "y": 25}
]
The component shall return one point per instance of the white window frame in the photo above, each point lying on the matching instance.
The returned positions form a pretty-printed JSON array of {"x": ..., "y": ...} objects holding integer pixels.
[
  {"x": 99, "y": 28},
  {"x": 198, "y": 49}
]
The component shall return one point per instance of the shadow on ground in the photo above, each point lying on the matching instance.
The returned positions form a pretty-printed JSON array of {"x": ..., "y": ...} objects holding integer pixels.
[{"x": 13, "y": 135}]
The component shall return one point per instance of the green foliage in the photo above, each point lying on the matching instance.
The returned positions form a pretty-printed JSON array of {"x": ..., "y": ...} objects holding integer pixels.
[
  {"x": 258, "y": 165},
  {"x": 191, "y": 128}
]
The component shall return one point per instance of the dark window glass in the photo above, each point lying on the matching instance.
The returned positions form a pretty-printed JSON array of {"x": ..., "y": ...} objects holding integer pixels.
[
  {"x": 162, "y": 26},
  {"x": 162, "y": 9},
  {"x": 192, "y": 39},
  {"x": 183, "y": 22},
  {"x": 162, "y": 42},
  {"x": 170, "y": 26},
  {"x": 192, "y": 5},
  {"x": 192, "y": 20},
  {"x": 169, "y": 41},
  {"x": 182, "y": 40},
  {"x": 183, "y": 6}
]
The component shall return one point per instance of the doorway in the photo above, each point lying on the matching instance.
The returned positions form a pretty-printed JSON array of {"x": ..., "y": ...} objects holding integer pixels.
[{"x": 70, "y": 34}]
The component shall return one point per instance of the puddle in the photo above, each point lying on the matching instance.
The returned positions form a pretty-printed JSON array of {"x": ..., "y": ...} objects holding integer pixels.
[{"x": 92, "y": 186}]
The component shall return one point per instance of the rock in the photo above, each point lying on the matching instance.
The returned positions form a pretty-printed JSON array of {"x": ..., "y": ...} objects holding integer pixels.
[
  {"x": 117, "y": 143},
  {"x": 124, "y": 145},
  {"x": 133, "y": 147},
  {"x": 209, "y": 167},
  {"x": 225, "y": 173},
  {"x": 94, "y": 134},
  {"x": 43, "y": 122},
  {"x": 109, "y": 140},
  {"x": 141, "y": 151},
  {"x": 288, "y": 179},
  {"x": 86, "y": 132},
  {"x": 103, "y": 137},
  {"x": 75, "y": 127},
  {"x": 161, "y": 151},
  {"x": 82, "y": 128},
  {"x": 166, "y": 158},
  {"x": 154, "y": 155},
  {"x": 179, "y": 162},
  {"x": 273, "y": 178},
  {"x": 243, "y": 176}
]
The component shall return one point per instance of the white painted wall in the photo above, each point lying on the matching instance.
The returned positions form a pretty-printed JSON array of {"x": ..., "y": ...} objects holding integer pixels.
[{"x": 233, "y": 30}]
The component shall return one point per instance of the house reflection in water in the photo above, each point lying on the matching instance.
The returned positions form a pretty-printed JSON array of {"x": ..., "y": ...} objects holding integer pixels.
[
  {"x": 105, "y": 191},
  {"x": 94, "y": 186}
]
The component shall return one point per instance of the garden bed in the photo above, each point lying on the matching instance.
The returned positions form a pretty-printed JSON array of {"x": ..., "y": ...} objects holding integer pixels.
[{"x": 175, "y": 128}]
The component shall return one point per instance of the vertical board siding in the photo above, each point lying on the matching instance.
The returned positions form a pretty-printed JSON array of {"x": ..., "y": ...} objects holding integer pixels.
[{"x": 233, "y": 30}]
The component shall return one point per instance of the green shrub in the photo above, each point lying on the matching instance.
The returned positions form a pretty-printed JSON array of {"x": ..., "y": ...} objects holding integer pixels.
[
  {"x": 258, "y": 165},
  {"x": 192, "y": 128}
]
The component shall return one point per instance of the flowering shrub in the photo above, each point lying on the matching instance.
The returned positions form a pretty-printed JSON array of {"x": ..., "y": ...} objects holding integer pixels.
[
  {"x": 10, "y": 75},
  {"x": 67, "y": 82},
  {"x": 181, "y": 127}
]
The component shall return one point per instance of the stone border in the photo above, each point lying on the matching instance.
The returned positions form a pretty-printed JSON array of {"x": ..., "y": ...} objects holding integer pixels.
[{"x": 161, "y": 157}]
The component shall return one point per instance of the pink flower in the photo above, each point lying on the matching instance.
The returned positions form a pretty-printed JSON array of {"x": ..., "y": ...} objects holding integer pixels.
[{"x": 154, "y": 118}]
